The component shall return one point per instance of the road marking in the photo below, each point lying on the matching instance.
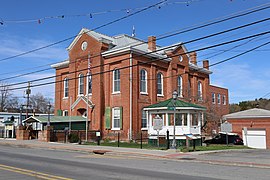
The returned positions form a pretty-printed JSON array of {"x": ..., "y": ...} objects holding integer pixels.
[{"x": 32, "y": 173}]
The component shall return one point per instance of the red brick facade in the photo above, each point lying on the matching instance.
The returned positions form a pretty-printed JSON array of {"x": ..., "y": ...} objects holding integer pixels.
[
  {"x": 130, "y": 60},
  {"x": 251, "y": 123}
]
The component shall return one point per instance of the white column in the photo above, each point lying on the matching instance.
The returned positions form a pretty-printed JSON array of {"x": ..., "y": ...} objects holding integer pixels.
[{"x": 188, "y": 121}]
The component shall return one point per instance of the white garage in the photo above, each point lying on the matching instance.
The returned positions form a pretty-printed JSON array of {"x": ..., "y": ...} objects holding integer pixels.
[{"x": 254, "y": 138}]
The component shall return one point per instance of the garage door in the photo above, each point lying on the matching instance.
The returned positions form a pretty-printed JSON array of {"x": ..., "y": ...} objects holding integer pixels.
[{"x": 254, "y": 138}]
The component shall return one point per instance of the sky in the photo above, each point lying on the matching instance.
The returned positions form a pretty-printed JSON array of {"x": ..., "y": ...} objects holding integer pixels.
[{"x": 31, "y": 24}]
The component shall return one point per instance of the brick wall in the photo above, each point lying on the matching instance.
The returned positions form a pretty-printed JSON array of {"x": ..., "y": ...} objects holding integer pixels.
[{"x": 239, "y": 124}]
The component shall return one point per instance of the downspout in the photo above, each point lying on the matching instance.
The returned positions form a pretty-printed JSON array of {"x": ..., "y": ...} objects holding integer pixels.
[{"x": 130, "y": 96}]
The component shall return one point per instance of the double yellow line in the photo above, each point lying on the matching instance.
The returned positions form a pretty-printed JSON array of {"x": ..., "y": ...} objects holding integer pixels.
[{"x": 32, "y": 173}]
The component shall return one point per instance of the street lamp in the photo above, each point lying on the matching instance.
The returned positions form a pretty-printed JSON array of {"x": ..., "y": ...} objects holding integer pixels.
[
  {"x": 174, "y": 96},
  {"x": 49, "y": 107}
]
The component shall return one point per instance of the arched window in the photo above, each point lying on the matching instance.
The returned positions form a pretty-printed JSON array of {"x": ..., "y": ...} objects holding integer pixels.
[
  {"x": 200, "y": 96},
  {"x": 180, "y": 86},
  {"x": 81, "y": 84},
  {"x": 160, "y": 84},
  {"x": 65, "y": 87},
  {"x": 89, "y": 83},
  {"x": 116, "y": 81},
  {"x": 143, "y": 81}
]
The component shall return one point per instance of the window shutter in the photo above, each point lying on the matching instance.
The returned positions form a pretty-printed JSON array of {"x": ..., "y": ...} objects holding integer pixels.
[
  {"x": 59, "y": 112},
  {"x": 121, "y": 117},
  {"x": 108, "y": 117},
  {"x": 169, "y": 119}
]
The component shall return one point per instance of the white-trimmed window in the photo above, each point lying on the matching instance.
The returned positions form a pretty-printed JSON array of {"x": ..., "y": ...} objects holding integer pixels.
[
  {"x": 65, "y": 87},
  {"x": 200, "y": 95},
  {"x": 116, "y": 81},
  {"x": 224, "y": 99},
  {"x": 218, "y": 98},
  {"x": 144, "y": 119},
  {"x": 81, "y": 84},
  {"x": 89, "y": 83},
  {"x": 159, "y": 84},
  {"x": 116, "y": 116},
  {"x": 180, "y": 86},
  {"x": 65, "y": 113},
  {"x": 213, "y": 98},
  {"x": 143, "y": 81}
]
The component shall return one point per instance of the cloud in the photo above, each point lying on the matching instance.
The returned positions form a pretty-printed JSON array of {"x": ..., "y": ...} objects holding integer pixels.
[
  {"x": 242, "y": 81},
  {"x": 14, "y": 45}
]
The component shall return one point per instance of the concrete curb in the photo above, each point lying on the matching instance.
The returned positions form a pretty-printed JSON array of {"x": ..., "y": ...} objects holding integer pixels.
[{"x": 151, "y": 154}]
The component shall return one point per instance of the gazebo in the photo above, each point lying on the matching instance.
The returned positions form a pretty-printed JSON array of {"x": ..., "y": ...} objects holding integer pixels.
[{"x": 188, "y": 120}]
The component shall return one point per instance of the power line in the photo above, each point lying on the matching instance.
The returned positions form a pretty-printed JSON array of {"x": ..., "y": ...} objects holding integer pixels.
[
  {"x": 191, "y": 28},
  {"x": 197, "y": 39},
  {"x": 214, "y": 64},
  {"x": 101, "y": 26},
  {"x": 93, "y": 14},
  {"x": 201, "y": 49}
]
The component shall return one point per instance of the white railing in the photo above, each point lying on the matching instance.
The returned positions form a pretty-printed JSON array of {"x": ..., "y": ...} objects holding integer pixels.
[{"x": 179, "y": 130}]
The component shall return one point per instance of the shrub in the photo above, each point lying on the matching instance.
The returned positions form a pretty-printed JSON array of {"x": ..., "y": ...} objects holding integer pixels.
[{"x": 73, "y": 138}]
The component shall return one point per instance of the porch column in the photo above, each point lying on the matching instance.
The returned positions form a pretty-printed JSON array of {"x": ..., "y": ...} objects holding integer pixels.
[{"x": 188, "y": 121}]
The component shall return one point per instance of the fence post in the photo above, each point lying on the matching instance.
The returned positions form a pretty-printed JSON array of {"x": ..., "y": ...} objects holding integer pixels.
[
  {"x": 141, "y": 140},
  {"x": 118, "y": 139},
  {"x": 168, "y": 139}
]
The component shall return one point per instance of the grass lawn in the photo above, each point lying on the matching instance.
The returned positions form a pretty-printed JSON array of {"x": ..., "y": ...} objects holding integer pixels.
[{"x": 211, "y": 147}]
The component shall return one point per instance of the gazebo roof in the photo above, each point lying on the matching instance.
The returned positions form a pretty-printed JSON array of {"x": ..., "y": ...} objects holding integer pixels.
[
  {"x": 55, "y": 119},
  {"x": 179, "y": 104}
]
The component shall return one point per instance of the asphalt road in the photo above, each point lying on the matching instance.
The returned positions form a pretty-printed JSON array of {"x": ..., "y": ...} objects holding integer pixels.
[{"x": 28, "y": 163}]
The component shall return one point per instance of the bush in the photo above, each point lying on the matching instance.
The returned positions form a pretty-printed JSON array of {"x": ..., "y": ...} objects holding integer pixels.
[{"x": 73, "y": 138}]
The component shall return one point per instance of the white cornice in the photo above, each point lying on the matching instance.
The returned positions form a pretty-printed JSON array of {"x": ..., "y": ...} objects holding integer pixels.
[{"x": 60, "y": 64}]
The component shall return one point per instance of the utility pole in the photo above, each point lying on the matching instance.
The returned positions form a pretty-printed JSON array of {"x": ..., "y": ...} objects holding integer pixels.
[{"x": 27, "y": 92}]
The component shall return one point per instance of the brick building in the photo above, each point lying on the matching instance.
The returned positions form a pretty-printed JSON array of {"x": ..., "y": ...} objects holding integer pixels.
[
  {"x": 256, "y": 121},
  {"x": 127, "y": 74}
]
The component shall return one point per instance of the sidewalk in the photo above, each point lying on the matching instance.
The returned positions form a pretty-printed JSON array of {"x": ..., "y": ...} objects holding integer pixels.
[{"x": 243, "y": 157}]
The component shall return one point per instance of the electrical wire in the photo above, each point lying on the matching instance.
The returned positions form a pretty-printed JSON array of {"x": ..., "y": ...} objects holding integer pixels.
[
  {"x": 188, "y": 29},
  {"x": 201, "y": 49},
  {"x": 165, "y": 48}
]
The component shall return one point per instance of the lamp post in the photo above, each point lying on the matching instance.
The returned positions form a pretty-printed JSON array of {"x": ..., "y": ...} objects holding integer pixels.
[
  {"x": 174, "y": 96},
  {"x": 49, "y": 108}
]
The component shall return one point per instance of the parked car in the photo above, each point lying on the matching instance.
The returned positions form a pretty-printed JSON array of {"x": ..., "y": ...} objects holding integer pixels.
[{"x": 221, "y": 139}]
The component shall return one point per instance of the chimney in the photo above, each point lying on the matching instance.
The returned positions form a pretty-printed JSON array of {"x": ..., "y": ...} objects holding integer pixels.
[
  {"x": 193, "y": 57},
  {"x": 152, "y": 43},
  {"x": 206, "y": 64}
]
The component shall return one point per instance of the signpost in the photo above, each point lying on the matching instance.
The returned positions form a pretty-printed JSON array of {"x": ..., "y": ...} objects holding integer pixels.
[
  {"x": 157, "y": 125},
  {"x": 227, "y": 128}
]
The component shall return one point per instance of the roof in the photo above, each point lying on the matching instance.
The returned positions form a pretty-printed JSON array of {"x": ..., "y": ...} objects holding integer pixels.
[
  {"x": 8, "y": 122},
  {"x": 179, "y": 104},
  {"x": 123, "y": 43},
  {"x": 55, "y": 119},
  {"x": 250, "y": 113}
]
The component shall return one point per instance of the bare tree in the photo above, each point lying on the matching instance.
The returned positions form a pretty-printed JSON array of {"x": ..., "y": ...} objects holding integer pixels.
[
  {"x": 4, "y": 95},
  {"x": 39, "y": 102}
]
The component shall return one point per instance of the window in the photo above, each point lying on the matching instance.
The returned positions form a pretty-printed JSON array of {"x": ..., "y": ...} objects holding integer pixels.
[
  {"x": 199, "y": 91},
  {"x": 213, "y": 98},
  {"x": 180, "y": 86},
  {"x": 144, "y": 119},
  {"x": 143, "y": 82},
  {"x": 65, "y": 87},
  {"x": 218, "y": 98},
  {"x": 116, "y": 118},
  {"x": 224, "y": 99},
  {"x": 160, "y": 84},
  {"x": 89, "y": 83},
  {"x": 116, "y": 81},
  {"x": 81, "y": 84},
  {"x": 65, "y": 113}
]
